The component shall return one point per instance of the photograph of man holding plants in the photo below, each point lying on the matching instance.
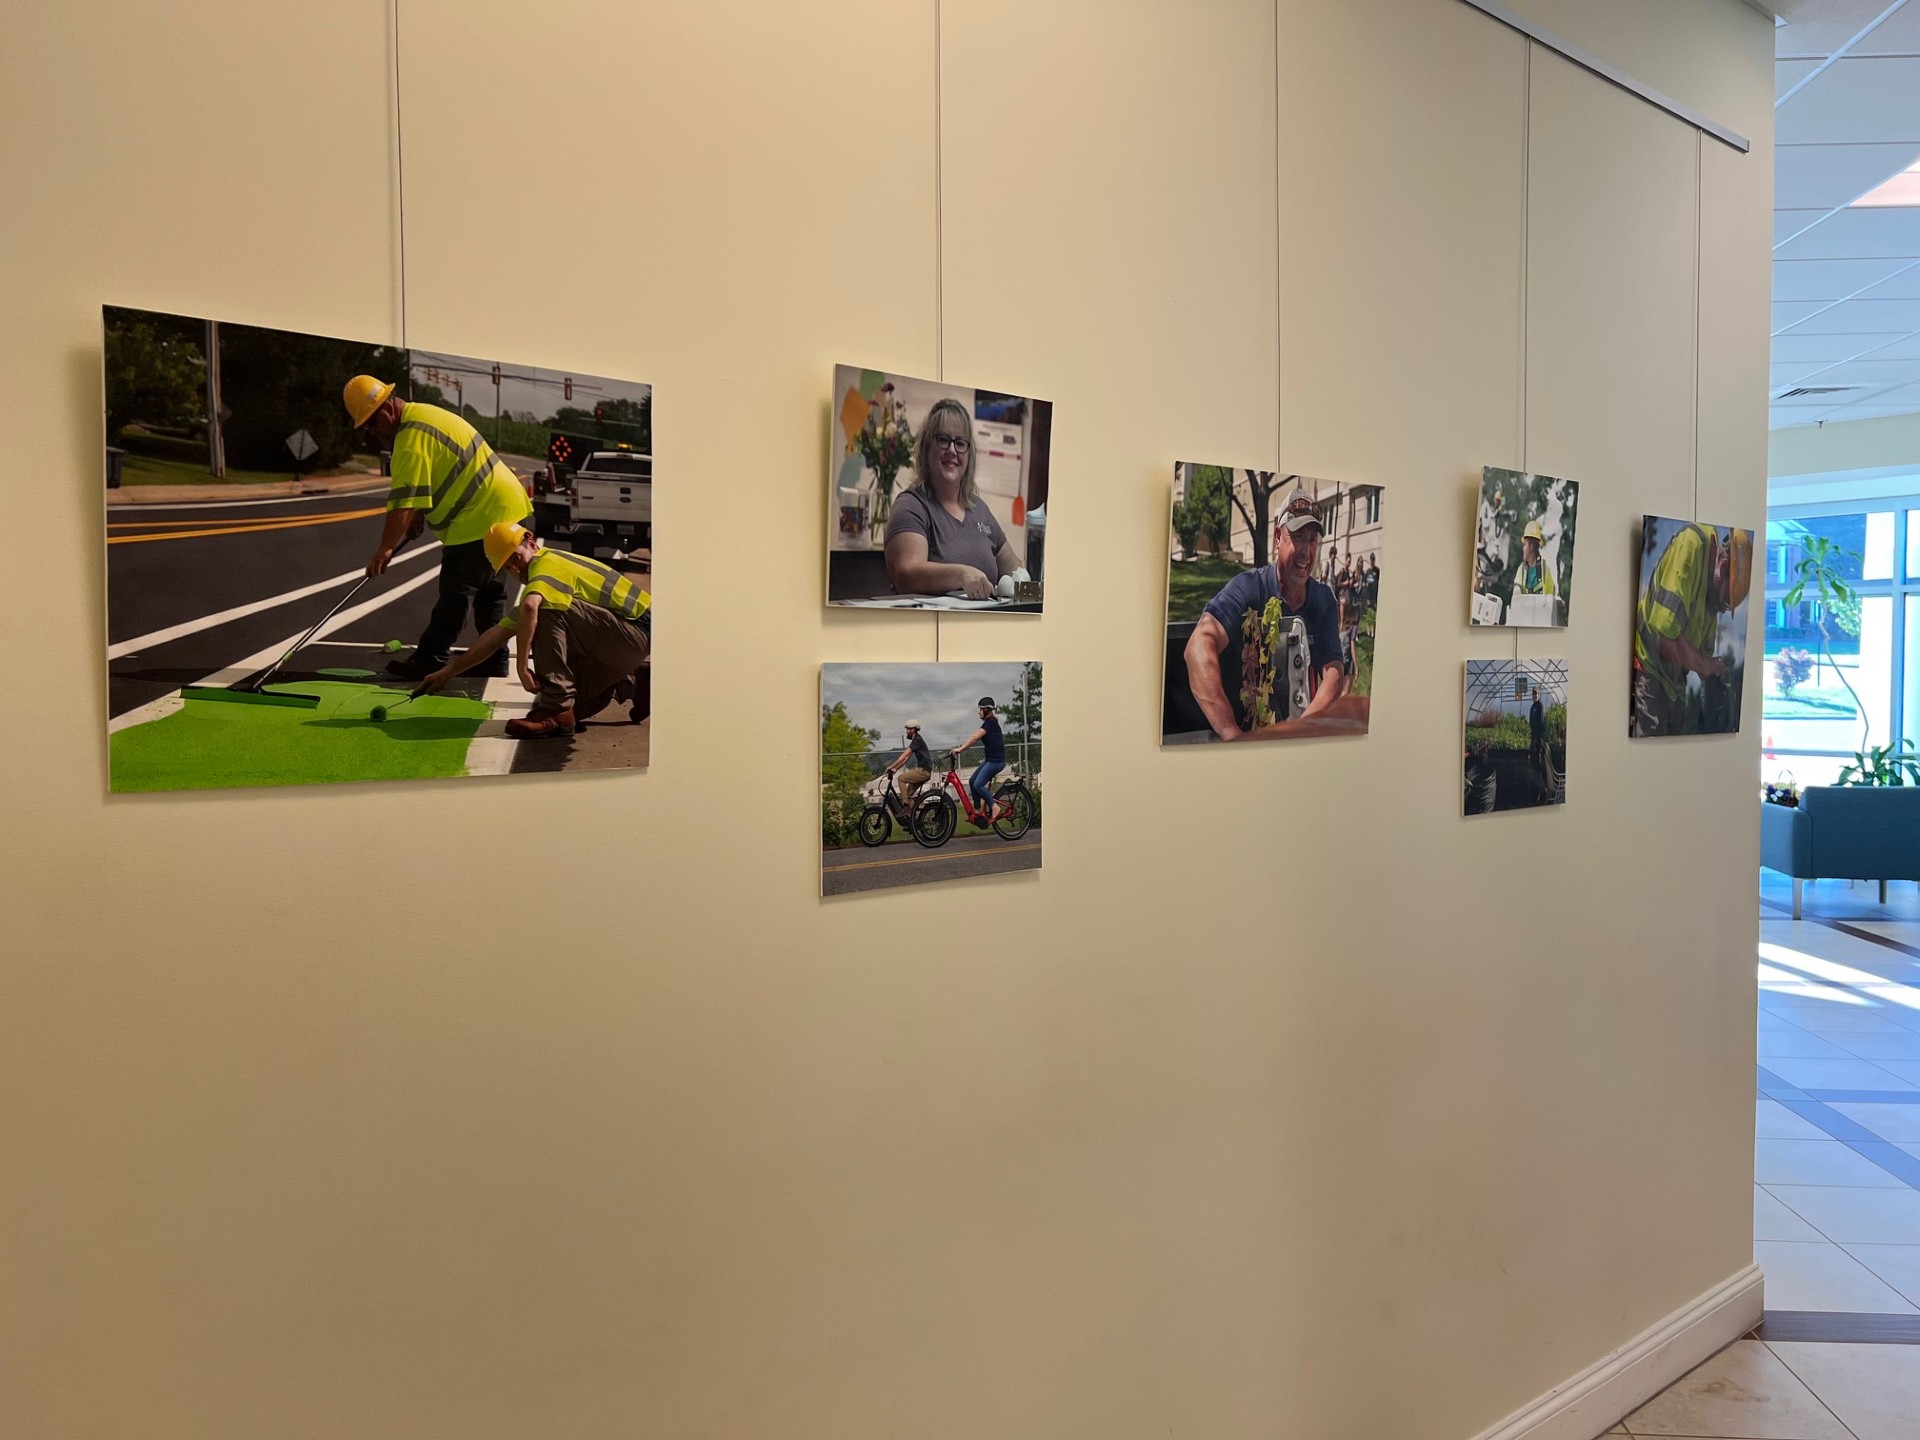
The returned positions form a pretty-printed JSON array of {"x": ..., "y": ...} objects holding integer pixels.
[{"x": 1273, "y": 596}]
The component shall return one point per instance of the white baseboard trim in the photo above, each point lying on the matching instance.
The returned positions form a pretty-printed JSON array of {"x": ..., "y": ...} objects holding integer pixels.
[{"x": 1619, "y": 1383}]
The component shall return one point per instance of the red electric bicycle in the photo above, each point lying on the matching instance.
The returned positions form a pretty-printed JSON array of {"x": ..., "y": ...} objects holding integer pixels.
[{"x": 935, "y": 816}]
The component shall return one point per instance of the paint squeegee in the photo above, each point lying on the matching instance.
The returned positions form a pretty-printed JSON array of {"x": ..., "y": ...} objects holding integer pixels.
[{"x": 257, "y": 693}]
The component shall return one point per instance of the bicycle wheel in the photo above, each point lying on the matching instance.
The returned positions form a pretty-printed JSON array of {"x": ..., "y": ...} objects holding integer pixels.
[
  {"x": 874, "y": 825},
  {"x": 933, "y": 821},
  {"x": 1019, "y": 816}
]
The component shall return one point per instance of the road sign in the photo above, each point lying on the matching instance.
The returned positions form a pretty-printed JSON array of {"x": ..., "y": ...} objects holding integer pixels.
[{"x": 301, "y": 444}]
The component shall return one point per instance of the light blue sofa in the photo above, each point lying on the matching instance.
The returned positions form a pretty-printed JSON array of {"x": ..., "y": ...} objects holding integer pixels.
[{"x": 1844, "y": 832}]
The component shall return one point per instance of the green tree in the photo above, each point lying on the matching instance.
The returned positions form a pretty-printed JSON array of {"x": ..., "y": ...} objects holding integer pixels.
[
  {"x": 1822, "y": 568},
  {"x": 156, "y": 370},
  {"x": 843, "y": 772},
  {"x": 274, "y": 382},
  {"x": 1204, "y": 511},
  {"x": 1254, "y": 509}
]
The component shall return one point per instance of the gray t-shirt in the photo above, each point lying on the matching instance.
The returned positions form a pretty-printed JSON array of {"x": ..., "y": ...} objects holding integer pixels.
[{"x": 973, "y": 541}]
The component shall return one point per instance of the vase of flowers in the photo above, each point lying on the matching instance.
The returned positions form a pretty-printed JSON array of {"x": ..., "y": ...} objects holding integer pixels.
[{"x": 885, "y": 444}]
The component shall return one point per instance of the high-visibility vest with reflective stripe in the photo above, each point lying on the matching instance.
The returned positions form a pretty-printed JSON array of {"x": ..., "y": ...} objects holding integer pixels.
[
  {"x": 442, "y": 466},
  {"x": 561, "y": 580},
  {"x": 1675, "y": 606}
]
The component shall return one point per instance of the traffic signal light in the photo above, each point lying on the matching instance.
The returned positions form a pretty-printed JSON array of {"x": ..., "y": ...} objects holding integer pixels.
[
  {"x": 496, "y": 374},
  {"x": 599, "y": 412},
  {"x": 567, "y": 384}
]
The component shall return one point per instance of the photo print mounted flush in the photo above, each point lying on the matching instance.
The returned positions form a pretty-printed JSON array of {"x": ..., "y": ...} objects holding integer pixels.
[
  {"x": 333, "y": 560},
  {"x": 1273, "y": 598},
  {"x": 1515, "y": 734},
  {"x": 936, "y": 495},
  {"x": 928, "y": 773},
  {"x": 1690, "y": 630},
  {"x": 1523, "y": 549}
]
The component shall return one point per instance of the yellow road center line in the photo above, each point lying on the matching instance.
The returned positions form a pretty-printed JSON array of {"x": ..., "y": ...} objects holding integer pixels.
[
  {"x": 923, "y": 859},
  {"x": 247, "y": 529},
  {"x": 229, "y": 521}
]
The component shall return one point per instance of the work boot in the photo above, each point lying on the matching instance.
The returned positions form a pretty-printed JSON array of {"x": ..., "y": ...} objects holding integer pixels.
[
  {"x": 540, "y": 723},
  {"x": 642, "y": 694},
  {"x": 414, "y": 667}
]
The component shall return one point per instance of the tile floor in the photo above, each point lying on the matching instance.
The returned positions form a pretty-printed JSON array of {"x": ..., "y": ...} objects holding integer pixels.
[{"x": 1836, "y": 1198}]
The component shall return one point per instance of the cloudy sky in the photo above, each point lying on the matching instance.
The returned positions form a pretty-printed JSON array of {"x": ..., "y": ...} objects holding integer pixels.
[
  {"x": 522, "y": 387},
  {"x": 882, "y": 697}
]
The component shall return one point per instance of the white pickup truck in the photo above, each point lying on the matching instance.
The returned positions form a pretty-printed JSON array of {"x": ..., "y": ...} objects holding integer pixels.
[{"x": 611, "y": 503}]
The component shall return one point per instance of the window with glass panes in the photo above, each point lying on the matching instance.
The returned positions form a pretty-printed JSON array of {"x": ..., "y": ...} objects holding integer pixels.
[{"x": 1840, "y": 678}]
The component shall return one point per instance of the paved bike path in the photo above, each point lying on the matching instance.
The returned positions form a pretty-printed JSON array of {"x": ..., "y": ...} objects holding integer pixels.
[{"x": 855, "y": 868}]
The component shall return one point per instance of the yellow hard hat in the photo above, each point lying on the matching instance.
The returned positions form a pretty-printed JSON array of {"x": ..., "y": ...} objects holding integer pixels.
[
  {"x": 502, "y": 540},
  {"x": 364, "y": 395},
  {"x": 1739, "y": 568},
  {"x": 1534, "y": 532}
]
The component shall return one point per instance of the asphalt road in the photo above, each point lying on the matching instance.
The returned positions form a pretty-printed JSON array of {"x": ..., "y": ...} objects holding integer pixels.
[
  {"x": 183, "y": 567},
  {"x": 856, "y": 868},
  {"x": 170, "y": 566}
]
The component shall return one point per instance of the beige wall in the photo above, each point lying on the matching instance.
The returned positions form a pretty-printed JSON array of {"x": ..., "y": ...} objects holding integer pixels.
[{"x": 1283, "y": 1102}]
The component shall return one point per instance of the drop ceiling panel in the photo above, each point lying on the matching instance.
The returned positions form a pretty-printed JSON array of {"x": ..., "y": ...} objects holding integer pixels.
[
  {"x": 1905, "y": 347},
  {"x": 1854, "y": 317},
  {"x": 1903, "y": 285},
  {"x": 1828, "y": 348},
  {"x": 1824, "y": 176},
  {"x": 1789, "y": 73},
  {"x": 1797, "y": 312},
  {"x": 1873, "y": 411},
  {"x": 1789, "y": 223},
  {"x": 1830, "y": 279},
  {"x": 1854, "y": 101},
  {"x": 1898, "y": 34},
  {"x": 1874, "y": 371},
  {"x": 1907, "y": 397},
  {"x": 1780, "y": 376},
  {"x": 1820, "y": 27},
  {"x": 1859, "y": 234}
]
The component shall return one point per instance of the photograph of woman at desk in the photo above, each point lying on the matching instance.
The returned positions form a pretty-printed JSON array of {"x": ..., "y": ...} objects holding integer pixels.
[{"x": 939, "y": 495}]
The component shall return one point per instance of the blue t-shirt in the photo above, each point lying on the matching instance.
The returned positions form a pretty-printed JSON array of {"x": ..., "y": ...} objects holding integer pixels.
[
  {"x": 991, "y": 742},
  {"x": 1251, "y": 591}
]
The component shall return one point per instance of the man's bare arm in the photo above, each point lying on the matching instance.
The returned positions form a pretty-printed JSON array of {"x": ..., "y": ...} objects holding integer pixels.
[{"x": 1209, "y": 638}]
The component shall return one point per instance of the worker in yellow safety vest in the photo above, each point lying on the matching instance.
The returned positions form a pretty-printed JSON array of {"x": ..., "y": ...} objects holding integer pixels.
[
  {"x": 1534, "y": 576},
  {"x": 585, "y": 635},
  {"x": 447, "y": 477},
  {"x": 1698, "y": 578}
]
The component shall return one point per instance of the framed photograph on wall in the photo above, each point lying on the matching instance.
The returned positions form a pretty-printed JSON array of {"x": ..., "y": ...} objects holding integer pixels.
[
  {"x": 325, "y": 559},
  {"x": 1515, "y": 728},
  {"x": 1690, "y": 629},
  {"x": 1273, "y": 602},
  {"x": 1523, "y": 549},
  {"x": 928, "y": 773},
  {"x": 936, "y": 494}
]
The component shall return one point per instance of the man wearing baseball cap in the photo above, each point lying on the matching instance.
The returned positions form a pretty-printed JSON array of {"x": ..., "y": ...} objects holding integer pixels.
[{"x": 1289, "y": 578}]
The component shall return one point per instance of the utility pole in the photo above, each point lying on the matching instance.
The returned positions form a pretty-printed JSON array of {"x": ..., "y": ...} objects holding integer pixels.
[{"x": 216, "y": 442}]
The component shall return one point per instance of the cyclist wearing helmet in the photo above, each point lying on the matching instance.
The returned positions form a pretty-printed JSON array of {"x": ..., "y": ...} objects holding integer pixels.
[
  {"x": 918, "y": 762},
  {"x": 996, "y": 754}
]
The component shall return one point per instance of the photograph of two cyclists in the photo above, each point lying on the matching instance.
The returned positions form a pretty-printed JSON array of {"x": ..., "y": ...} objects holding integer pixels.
[{"x": 928, "y": 773}]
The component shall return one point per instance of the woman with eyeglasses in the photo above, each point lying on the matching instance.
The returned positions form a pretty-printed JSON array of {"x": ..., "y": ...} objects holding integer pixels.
[{"x": 941, "y": 537}]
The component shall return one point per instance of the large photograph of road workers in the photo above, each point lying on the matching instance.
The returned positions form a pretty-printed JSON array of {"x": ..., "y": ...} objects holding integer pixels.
[
  {"x": 1690, "y": 628},
  {"x": 1523, "y": 549},
  {"x": 936, "y": 495},
  {"x": 330, "y": 560},
  {"x": 1516, "y": 735},
  {"x": 1273, "y": 604},
  {"x": 928, "y": 773}
]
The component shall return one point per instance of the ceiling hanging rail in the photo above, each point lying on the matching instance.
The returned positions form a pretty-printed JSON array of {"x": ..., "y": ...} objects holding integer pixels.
[{"x": 1612, "y": 74}]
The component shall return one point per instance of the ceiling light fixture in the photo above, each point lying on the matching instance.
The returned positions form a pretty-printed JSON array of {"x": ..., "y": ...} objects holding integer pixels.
[{"x": 1902, "y": 189}]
